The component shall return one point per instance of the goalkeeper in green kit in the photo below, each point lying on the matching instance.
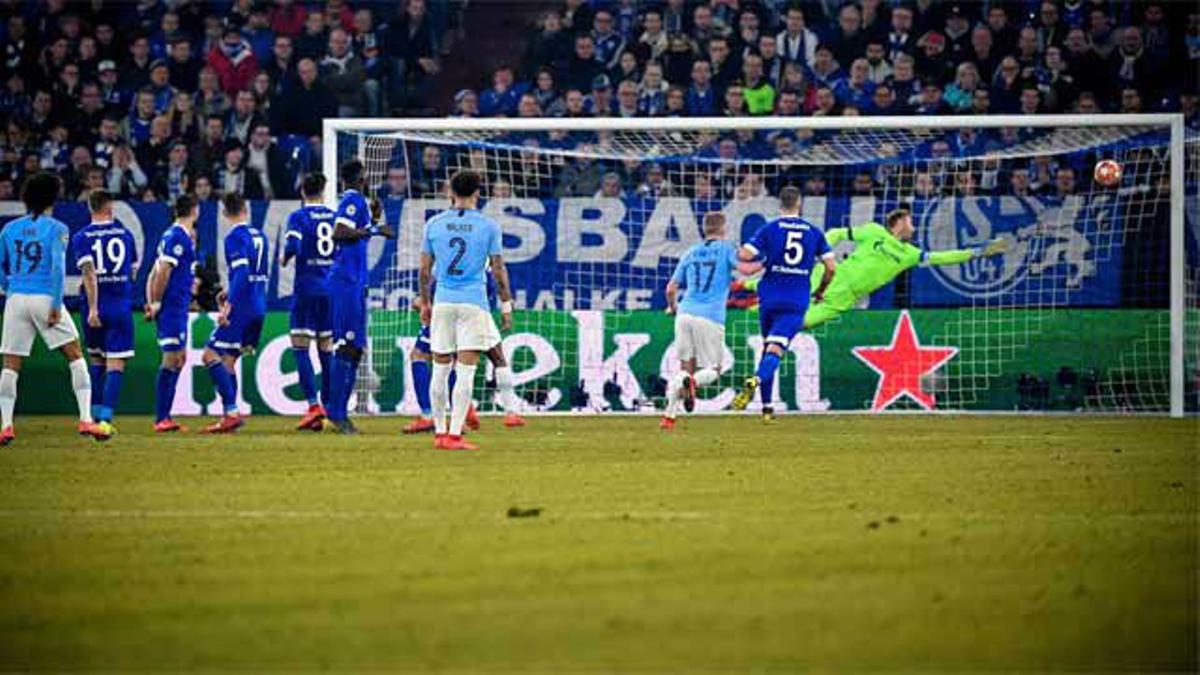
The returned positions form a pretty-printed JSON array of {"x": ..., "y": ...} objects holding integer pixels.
[{"x": 882, "y": 253}]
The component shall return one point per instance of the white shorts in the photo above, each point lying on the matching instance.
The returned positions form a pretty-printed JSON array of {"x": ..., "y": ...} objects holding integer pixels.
[
  {"x": 456, "y": 327},
  {"x": 700, "y": 339},
  {"x": 27, "y": 315}
]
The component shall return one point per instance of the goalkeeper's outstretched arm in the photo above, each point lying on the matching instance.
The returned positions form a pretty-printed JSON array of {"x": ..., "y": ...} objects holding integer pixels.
[{"x": 962, "y": 255}]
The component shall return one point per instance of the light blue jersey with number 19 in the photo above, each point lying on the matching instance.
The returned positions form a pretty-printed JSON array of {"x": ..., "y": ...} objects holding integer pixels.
[{"x": 461, "y": 241}]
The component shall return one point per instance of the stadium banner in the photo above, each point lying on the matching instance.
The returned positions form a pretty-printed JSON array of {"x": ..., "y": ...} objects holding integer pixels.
[
  {"x": 614, "y": 253},
  {"x": 612, "y": 361}
]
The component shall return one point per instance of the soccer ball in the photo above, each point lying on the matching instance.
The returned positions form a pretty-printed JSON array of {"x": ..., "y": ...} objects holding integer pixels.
[{"x": 1108, "y": 173}]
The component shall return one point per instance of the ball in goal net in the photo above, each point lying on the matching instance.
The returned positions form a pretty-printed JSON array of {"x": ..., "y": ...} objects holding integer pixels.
[{"x": 1091, "y": 306}]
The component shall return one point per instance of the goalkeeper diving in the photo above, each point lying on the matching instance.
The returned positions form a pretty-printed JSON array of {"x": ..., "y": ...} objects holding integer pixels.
[{"x": 882, "y": 253}]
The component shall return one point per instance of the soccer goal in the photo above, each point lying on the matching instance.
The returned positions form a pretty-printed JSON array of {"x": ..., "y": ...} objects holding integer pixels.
[{"x": 1091, "y": 306}]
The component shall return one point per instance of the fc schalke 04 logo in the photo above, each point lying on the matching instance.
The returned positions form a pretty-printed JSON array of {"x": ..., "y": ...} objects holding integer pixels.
[{"x": 1045, "y": 246}]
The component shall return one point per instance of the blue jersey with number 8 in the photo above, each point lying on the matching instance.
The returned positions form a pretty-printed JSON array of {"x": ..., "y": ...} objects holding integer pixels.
[
  {"x": 788, "y": 247},
  {"x": 704, "y": 272},
  {"x": 461, "y": 241},
  {"x": 310, "y": 241}
]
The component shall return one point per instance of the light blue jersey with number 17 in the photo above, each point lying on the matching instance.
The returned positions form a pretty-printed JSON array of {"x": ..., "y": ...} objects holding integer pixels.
[
  {"x": 461, "y": 241},
  {"x": 704, "y": 272}
]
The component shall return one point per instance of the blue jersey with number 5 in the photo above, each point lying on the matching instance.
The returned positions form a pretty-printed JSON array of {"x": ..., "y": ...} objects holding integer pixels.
[
  {"x": 704, "y": 272},
  {"x": 110, "y": 249},
  {"x": 788, "y": 247},
  {"x": 248, "y": 259},
  {"x": 309, "y": 240},
  {"x": 461, "y": 242}
]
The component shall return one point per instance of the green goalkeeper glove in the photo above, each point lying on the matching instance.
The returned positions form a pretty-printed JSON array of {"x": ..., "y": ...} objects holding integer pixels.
[{"x": 993, "y": 247}]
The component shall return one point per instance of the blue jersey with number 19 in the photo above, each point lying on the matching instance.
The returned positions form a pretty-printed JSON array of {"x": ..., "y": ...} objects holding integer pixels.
[
  {"x": 788, "y": 248},
  {"x": 704, "y": 272},
  {"x": 309, "y": 240},
  {"x": 110, "y": 249},
  {"x": 350, "y": 257},
  {"x": 461, "y": 241}
]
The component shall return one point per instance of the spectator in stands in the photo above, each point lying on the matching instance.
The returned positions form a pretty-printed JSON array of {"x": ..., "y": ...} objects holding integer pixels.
[
  {"x": 878, "y": 69},
  {"x": 258, "y": 33},
  {"x": 1031, "y": 100},
  {"x": 1131, "y": 101},
  {"x": 701, "y": 98},
  {"x": 628, "y": 68},
  {"x": 91, "y": 113},
  {"x": 758, "y": 92},
  {"x": 652, "y": 91},
  {"x": 546, "y": 93},
  {"x": 1004, "y": 36},
  {"x": 176, "y": 177},
  {"x": 600, "y": 103},
  {"x": 528, "y": 106},
  {"x": 288, "y": 17},
  {"x": 653, "y": 37},
  {"x": 183, "y": 71},
  {"x": 705, "y": 26},
  {"x": 796, "y": 43},
  {"x": 242, "y": 118},
  {"x": 627, "y": 100},
  {"x": 583, "y": 67},
  {"x": 367, "y": 44},
  {"x": 203, "y": 190},
  {"x": 735, "y": 101},
  {"x": 608, "y": 42},
  {"x": 466, "y": 104},
  {"x": 847, "y": 40},
  {"x": 1028, "y": 51},
  {"x": 1050, "y": 28},
  {"x": 411, "y": 44},
  {"x": 551, "y": 47},
  {"x": 826, "y": 72},
  {"x": 126, "y": 180},
  {"x": 857, "y": 89},
  {"x": 304, "y": 104},
  {"x": 135, "y": 70},
  {"x": 1064, "y": 182},
  {"x": 930, "y": 101},
  {"x": 932, "y": 62},
  {"x": 233, "y": 62},
  {"x": 267, "y": 160},
  {"x": 1130, "y": 66},
  {"x": 210, "y": 100},
  {"x": 726, "y": 67},
  {"x": 138, "y": 127},
  {"x": 958, "y": 33},
  {"x": 501, "y": 100},
  {"x": 981, "y": 102},
  {"x": 748, "y": 32},
  {"x": 430, "y": 180},
  {"x": 960, "y": 95},
  {"x": 281, "y": 67},
  {"x": 211, "y": 148},
  {"x": 160, "y": 86},
  {"x": 677, "y": 62},
  {"x": 343, "y": 73},
  {"x": 312, "y": 41},
  {"x": 151, "y": 155},
  {"x": 772, "y": 63},
  {"x": 1055, "y": 81},
  {"x": 232, "y": 175},
  {"x": 396, "y": 184},
  {"x": 580, "y": 179},
  {"x": 1006, "y": 86}
]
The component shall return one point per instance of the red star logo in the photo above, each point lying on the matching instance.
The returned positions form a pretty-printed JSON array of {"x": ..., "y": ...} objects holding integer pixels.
[{"x": 902, "y": 364}]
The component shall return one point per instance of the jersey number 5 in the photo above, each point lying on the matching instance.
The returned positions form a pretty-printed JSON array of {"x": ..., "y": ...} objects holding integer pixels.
[{"x": 793, "y": 248}]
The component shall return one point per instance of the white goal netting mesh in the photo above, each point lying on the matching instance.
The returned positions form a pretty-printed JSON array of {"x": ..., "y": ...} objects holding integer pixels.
[{"x": 1072, "y": 316}]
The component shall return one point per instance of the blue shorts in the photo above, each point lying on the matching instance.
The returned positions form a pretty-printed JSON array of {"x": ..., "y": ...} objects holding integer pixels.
[
  {"x": 349, "y": 316},
  {"x": 114, "y": 338},
  {"x": 311, "y": 317},
  {"x": 241, "y": 333},
  {"x": 422, "y": 343},
  {"x": 172, "y": 330},
  {"x": 780, "y": 325}
]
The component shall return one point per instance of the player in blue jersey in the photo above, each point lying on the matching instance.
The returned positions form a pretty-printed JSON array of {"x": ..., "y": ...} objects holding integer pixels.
[
  {"x": 106, "y": 255},
  {"x": 786, "y": 250},
  {"x": 168, "y": 299},
  {"x": 458, "y": 246},
  {"x": 420, "y": 357},
  {"x": 355, "y": 222},
  {"x": 243, "y": 308},
  {"x": 309, "y": 241},
  {"x": 704, "y": 273},
  {"x": 32, "y": 269}
]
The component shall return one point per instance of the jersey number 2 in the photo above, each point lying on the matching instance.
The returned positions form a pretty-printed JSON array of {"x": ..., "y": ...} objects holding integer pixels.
[{"x": 460, "y": 249}]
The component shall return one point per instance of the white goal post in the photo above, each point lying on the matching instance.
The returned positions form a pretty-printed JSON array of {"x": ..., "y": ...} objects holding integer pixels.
[{"x": 870, "y": 135}]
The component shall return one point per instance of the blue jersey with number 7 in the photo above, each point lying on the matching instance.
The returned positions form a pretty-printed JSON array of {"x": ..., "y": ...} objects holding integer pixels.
[
  {"x": 461, "y": 241},
  {"x": 704, "y": 272},
  {"x": 788, "y": 247}
]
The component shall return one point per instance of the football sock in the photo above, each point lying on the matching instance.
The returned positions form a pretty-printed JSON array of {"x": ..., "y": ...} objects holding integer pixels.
[
  {"x": 766, "y": 375},
  {"x": 326, "y": 360},
  {"x": 674, "y": 391},
  {"x": 8, "y": 397},
  {"x": 81, "y": 382},
  {"x": 462, "y": 394},
  {"x": 439, "y": 392},
  {"x": 112, "y": 393},
  {"x": 96, "y": 372},
  {"x": 505, "y": 390},
  {"x": 304, "y": 369},
  {"x": 165, "y": 393},
  {"x": 222, "y": 381},
  {"x": 348, "y": 370},
  {"x": 421, "y": 375},
  {"x": 333, "y": 375}
]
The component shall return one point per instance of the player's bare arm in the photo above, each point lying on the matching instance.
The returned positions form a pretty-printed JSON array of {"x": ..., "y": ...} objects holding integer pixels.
[
  {"x": 91, "y": 289},
  {"x": 425, "y": 282},
  {"x": 503, "y": 291},
  {"x": 748, "y": 262},
  {"x": 672, "y": 293},
  {"x": 827, "y": 278},
  {"x": 156, "y": 285}
]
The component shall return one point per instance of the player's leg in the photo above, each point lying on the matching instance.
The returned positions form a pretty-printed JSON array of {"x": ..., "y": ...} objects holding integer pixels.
[
  {"x": 118, "y": 348},
  {"x": 506, "y": 390},
  {"x": 64, "y": 339},
  {"x": 350, "y": 325},
  {"x": 705, "y": 368},
  {"x": 172, "y": 340},
  {"x": 94, "y": 339},
  {"x": 225, "y": 341},
  {"x": 16, "y": 345},
  {"x": 302, "y": 332},
  {"x": 442, "y": 345},
  {"x": 685, "y": 350},
  {"x": 324, "y": 326},
  {"x": 421, "y": 370},
  {"x": 766, "y": 319},
  {"x": 470, "y": 328}
]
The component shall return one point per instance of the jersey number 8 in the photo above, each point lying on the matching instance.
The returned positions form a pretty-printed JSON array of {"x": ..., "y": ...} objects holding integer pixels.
[{"x": 324, "y": 239}]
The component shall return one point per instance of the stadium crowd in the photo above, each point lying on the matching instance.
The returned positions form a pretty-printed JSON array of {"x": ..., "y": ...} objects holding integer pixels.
[{"x": 158, "y": 98}]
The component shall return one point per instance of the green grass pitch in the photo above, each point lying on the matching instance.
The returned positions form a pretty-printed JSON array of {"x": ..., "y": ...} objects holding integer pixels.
[{"x": 829, "y": 542}]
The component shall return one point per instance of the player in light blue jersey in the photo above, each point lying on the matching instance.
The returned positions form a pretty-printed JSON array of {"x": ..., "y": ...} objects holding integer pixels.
[
  {"x": 704, "y": 273},
  {"x": 106, "y": 255},
  {"x": 457, "y": 248},
  {"x": 32, "y": 269},
  {"x": 168, "y": 302},
  {"x": 786, "y": 250},
  {"x": 355, "y": 222},
  {"x": 243, "y": 308},
  {"x": 309, "y": 241}
]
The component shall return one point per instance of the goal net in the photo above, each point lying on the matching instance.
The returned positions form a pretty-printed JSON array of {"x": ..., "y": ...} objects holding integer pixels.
[{"x": 1075, "y": 314}]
